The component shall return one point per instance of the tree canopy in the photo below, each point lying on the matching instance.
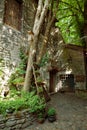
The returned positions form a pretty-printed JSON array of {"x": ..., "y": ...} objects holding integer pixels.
[
  {"x": 70, "y": 20},
  {"x": 70, "y": 17}
]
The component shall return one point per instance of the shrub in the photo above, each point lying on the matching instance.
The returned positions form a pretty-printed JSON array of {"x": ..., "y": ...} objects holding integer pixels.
[
  {"x": 51, "y": 112},
  {"x": 22, "y": 100},
  {"x": 37, "y": 104}
]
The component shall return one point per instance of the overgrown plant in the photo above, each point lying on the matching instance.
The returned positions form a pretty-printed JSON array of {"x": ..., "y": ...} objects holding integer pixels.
[
  {"x": 22, "y": 100},
  {"x": 17, "y": 78},
  {"x": 44, "y": 60},
  {"x": 51, "y": 112}
]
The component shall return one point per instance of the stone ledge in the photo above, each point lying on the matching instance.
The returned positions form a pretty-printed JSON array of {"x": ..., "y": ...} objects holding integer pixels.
[{"x": 16, "y": 121}]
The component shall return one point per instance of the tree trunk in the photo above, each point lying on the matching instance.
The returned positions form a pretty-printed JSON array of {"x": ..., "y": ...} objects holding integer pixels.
[
  {"x": 45, "y": 40},
  {"x": 85, "y": 34},
  {"x": 51, "y": 18},
  {"x": 85, "y": 22},
  {"x": 39, "y": 18},
  {"x": 28, "y": 76}
]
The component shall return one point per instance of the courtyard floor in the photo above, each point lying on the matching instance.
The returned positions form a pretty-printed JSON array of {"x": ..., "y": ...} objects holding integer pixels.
[{"x": 71, "y": 113}]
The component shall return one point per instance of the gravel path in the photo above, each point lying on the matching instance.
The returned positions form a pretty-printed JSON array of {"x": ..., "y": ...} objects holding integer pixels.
[{"x": 71, "y": 113}]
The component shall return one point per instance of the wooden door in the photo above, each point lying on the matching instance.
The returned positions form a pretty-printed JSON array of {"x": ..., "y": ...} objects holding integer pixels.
[{"x": 52, "y": 81}]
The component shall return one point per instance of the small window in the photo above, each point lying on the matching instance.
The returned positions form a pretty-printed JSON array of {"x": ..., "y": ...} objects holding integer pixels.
[{"x": 13, "y": 13}]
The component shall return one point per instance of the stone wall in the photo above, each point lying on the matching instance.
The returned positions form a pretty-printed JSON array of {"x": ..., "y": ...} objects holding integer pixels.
[
  {"x": 78, "y": 68},
  {"x": 66, "y": 59},
  {"x": 73, "y": 59},
  {"x": 11, "y": 40},
  {"x": 19, "y": 120}
]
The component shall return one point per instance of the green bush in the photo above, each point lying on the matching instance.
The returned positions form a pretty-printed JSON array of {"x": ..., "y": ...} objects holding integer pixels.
[
  {"x": 51, "y": 112},
  {"x": 37, "y": 104},
  {"x": 22, "y": 100}
]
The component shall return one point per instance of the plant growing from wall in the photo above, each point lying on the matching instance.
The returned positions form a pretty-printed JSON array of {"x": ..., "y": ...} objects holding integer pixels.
[
  {"x": 22, "y": 100},
  {"x": 17, "y": 78},
  {"x": 2, "y": 73},
  {"x": 1, "y": 70},
  {"x": 44, "y": 60}
]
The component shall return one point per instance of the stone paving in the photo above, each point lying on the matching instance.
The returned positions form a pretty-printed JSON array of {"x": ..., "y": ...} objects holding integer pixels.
[{"x": 71, "y": 113}]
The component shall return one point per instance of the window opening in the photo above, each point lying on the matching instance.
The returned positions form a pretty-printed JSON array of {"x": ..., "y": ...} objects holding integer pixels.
[{"x": 13, "y": 13}]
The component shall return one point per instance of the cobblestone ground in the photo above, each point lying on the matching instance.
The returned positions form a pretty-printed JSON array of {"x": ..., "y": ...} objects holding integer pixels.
[{"x": 71, "y": 113}]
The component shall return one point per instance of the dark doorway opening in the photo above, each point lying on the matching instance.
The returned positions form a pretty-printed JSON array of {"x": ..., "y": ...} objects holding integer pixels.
[
  {"x": 69, "y": 81},
  {"x": 52, "y": 81},
  {"x": 85, "y": 59}
]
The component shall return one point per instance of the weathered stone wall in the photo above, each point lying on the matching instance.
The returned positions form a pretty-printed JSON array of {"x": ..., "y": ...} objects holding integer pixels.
[
  {"x": 29, "y": 10},
  {"x": 1, "y": 14},
  {"x": 78, "y": 68},
  {"x": 67, "y": 59},
  {"x": 16, "y": 121},
  {"x": 11, "y": 40},
  {"x": 73, "y": 60}
]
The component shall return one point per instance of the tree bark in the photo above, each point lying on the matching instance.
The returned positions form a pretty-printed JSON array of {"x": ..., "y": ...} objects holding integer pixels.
[
  {"x": 45, "y": 40},
  {"x": 85, "y": 34},
  {"x": 31, "y": 56},
  {"x": 51, "y": 19},
  {"x": 39, "y": 18},
  {"x": 85, "y": 22}
]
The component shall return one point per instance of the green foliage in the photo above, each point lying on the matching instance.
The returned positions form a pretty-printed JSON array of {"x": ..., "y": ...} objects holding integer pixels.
[
  {"x": 22, "y": 100},
  {"x": 40, "y": 89},
  {"x": 51, "y": 112},
  {"x": 71, "y": 20},
  {"x": 18, "y": 76},
  {"x": 23, "y": 56},
  {"x": 39, "y": 79},
  {"x": 11, "y": 106},
  {"x": 40, "y": 115},
  {"x": 37, "y": 104},
  {"x": 15, "y": 80},
  {"x": 1, "y": 72},
  {"x": 18, "y": 80},
  {"x": 44, "y": 60}
]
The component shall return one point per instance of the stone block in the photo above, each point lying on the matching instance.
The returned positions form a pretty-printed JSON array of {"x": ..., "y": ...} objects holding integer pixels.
[
  {"x": 10, "y": 123},
  {"x": 26, "y": 125},
  {"x": 21, "y": 121},
  {"x": 2, "y": 126},
  {"x": 16, "y": 127}
]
